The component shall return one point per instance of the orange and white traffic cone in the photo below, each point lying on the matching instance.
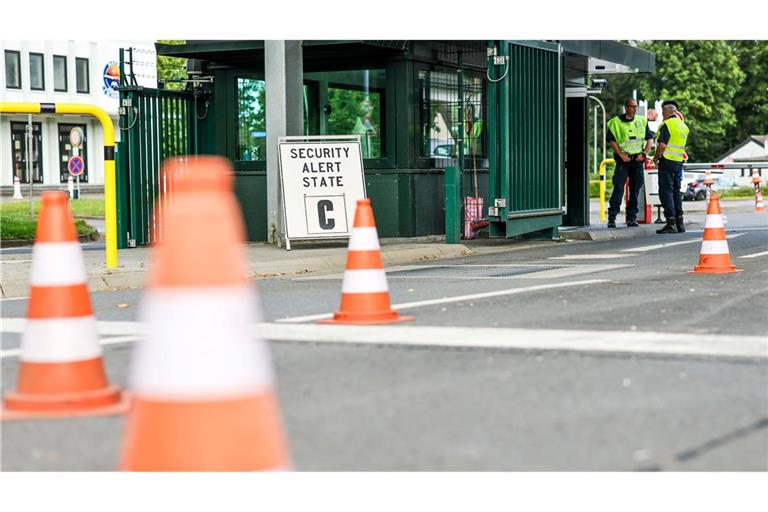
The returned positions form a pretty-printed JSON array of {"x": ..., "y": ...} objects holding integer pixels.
[
  {"x": 708, "y": 182},
  {"x": 759, "y": 205},
  {"x": 715, "y": 257},
  {"x": 364, "y": 292},
  {"x": 61, "y": 371},
  {"x": 202, "y": 384}
]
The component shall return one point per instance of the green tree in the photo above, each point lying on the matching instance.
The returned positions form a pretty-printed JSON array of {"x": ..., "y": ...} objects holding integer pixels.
[
  {"x": 171, "y": 68},
  {"x": 704, "y": 77},
  {"x": 750, "y": 103}
]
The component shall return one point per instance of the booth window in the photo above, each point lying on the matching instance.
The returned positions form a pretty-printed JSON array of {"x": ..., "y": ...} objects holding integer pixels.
[
  {"x": 81, "y": 75},
  {"x": 59, "y": 73},
  {"x": 12, "y": 69},
  {"x": 36, "y": 72},
  {"x": 441, "y": 123},
  {"x": 251, "y": 119},
  {"x": 347, "y": 103}
]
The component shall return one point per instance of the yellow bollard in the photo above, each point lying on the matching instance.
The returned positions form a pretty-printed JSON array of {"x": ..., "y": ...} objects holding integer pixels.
[{"x": 601, "y": 173}]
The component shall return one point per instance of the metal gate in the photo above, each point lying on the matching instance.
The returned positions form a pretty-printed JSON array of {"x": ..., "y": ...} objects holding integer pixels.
[
  {"x": 155, "y": 124},
  {"x": 526, "y": 120}
]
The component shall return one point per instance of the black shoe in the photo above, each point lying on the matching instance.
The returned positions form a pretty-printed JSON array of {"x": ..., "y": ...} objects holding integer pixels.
[
  {"x": 668, "y": 228},
  {"x": 611, "y": 222},
  {"x": 680, "y": 223},
  {"x": 632, "y": 224}
]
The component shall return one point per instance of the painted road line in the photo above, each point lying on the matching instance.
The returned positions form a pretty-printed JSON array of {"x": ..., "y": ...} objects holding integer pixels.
[
  {"x": 728, "y": 230},
  {"x": 459, "y": 298},
  {"x": 14, "y": 352},
  {"x": 104, "y": 327},
  {"x": 617, "y": 342},
  {"x": 670, "y": 244},
  {"x": 557, "y": 272},
  {"x": 598, "y": 256},
  {"x": 756, "y": 255},
  {"x": 13, "y": 298},
  {"x": 607, "y": 342}
]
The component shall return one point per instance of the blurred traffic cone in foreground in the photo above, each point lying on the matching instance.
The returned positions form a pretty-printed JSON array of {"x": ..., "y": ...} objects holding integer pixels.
[
  {"x": 759, "y": 206},
  {"x": 715, "y": 257},
  {"x": 61, "y": 371},
  {"x": 202, "y": 384},
  {"x": 364, "y": 292}
]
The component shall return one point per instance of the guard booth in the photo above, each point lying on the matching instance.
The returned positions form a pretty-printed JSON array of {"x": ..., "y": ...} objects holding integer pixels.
[{"x": 496, "y": 110}]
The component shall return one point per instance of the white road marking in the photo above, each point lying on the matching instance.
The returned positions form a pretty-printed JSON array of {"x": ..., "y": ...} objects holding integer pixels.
[
  {"x": 459, "y": 298},
  {"x": 670, "y": 244},
  {"x": 611, "y": 342},
  {"x": 755, "y": 255},
  {"x": 14, "y": 352},
  {"x": 13, "y": 298},
  {"x": 727, "y": 230},
  {"x": 598, "y": 256}
]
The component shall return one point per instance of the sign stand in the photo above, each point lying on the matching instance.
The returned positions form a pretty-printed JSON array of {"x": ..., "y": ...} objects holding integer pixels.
[
  {"x": 76, "y": 165},
  {"x": 321, "y": 178}
]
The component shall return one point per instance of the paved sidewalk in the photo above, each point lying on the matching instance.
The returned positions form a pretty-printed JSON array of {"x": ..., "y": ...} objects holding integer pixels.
[{"x": 695, "y": 215}]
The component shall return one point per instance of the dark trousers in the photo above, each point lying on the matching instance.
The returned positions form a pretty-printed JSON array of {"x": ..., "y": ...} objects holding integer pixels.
[
  {"x": 634, "y": 171},
  {"x": 669, "y": 188}
]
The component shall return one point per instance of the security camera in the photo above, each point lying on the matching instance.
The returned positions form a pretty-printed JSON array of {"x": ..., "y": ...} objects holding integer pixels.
[{"x": 599, "y": 83}]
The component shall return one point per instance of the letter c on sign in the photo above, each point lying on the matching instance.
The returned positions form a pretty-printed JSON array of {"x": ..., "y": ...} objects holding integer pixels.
[{"x": 324, "y": 206}]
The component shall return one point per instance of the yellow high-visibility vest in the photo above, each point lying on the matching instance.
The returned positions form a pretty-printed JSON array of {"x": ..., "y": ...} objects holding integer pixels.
[
  {"x": 629, "y": 135},
  {"x": 678, "y": 137}
]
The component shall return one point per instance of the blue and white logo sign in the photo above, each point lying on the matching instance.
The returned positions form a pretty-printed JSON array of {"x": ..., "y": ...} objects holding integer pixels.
[{"x": 111, "y": 77}]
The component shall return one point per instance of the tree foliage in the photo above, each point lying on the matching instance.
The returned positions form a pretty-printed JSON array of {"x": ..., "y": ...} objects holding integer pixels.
[
  {"x": 171, "y": 68},
  {"x": 750, "y": 103},
  {"x": 720, "y": 87}
]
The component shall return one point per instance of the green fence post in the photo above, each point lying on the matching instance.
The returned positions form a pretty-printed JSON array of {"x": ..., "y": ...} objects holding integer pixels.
[{"x": 452, "y": 205}]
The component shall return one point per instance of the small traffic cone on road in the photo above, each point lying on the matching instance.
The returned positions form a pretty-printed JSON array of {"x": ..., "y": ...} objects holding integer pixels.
[
  {"x": 364, "y": 292},
  {"x": 715, "y": 257},
  {"x": 203, "y": 391},
  {"x": 61, "y": 371},
  {"x": 759, "y": 206}
]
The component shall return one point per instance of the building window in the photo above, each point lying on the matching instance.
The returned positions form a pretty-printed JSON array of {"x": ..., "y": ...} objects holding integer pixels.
[
  {"x": 251, "y": 119},
  {"x": 442, "y": 127},
  {"x": 13, "y": 69},
  {"x": 66, "y": 151},
  {"x": 81, "y": 75},
  {"x": 19, "y": 152},
  {"x": 348, "y": 103},
  {"x": 59, "y": 73},
  {"x": 36, "y": 72}
]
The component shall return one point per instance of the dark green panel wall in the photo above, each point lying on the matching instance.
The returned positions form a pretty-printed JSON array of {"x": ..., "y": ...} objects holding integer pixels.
[{"x": 251, "y": 192}]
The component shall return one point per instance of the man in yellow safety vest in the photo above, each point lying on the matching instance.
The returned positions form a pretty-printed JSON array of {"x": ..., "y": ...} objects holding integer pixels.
[
  {"x": 669, "y": 156},
  {"x": 630, "y": 138}
]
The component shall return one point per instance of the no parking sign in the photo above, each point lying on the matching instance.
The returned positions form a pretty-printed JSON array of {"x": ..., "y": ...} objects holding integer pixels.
[{"x": 76, "y": 165}]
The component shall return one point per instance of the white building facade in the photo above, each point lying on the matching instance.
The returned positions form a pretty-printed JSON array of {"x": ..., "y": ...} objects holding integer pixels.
[{"x": 62, "y": 72}]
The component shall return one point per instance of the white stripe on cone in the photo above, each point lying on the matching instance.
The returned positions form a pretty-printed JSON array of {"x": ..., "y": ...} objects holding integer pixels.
[
  {"x": 714, "y": 247},
  {"x": 714, "y": 221},
  {"x": 365, "y": 281},
  {"x": 60, "y": 340},
  {"x": 198, "y": 345},
  {"x": 364, "y": 239},
  {"x": 57, "y": 264}
]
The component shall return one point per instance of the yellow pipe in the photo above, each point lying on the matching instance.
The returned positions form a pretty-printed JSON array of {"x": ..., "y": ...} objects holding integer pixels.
[
  {"x": 110, "y": 179},
  {"x": 601, "y": 173}
]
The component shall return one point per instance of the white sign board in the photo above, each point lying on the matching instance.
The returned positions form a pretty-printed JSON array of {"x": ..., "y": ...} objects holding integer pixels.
[{"x": 322, "y": 178}]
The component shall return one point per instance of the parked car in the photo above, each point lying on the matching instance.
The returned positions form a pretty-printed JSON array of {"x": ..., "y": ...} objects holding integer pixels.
[{"x": 697, "y": 190}]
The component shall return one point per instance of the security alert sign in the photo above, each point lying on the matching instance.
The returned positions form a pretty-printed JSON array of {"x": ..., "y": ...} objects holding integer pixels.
[{"x": 322, "y": 179}]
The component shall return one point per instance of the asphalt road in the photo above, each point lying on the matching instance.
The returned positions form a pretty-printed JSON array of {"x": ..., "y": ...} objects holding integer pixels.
[{"x": 499, "y": 397}]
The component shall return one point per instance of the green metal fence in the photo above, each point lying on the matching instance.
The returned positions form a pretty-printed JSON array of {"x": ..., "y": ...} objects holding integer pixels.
[
  {"x": 155, "y": 124},
  {"x": 526, "y": 120}
]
